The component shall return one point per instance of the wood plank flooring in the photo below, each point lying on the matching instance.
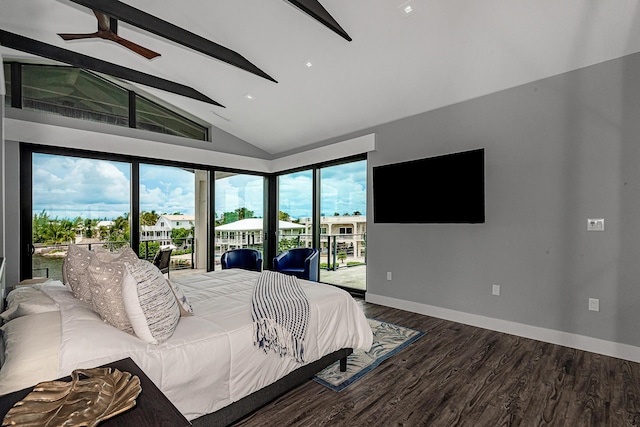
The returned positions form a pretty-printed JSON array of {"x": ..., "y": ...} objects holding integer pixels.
[{"x": 459, "y": 375}]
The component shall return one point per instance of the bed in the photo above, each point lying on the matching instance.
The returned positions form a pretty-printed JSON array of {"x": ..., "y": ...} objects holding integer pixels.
[{"x": 209, "y": 368}]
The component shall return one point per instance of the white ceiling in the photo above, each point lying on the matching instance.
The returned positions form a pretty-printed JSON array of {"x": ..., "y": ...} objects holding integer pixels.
[{"x": 445, "y": 52}]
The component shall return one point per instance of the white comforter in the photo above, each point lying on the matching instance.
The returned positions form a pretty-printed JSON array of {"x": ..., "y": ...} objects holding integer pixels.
[{"x": 210, "y": 361}]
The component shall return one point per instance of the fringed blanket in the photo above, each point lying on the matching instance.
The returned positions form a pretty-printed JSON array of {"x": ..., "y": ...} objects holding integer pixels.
[{"x": 280, "y": 312}]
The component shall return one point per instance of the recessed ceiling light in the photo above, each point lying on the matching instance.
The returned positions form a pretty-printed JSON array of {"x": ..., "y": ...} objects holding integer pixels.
[
  {"x": 406, "y": 8},
  {"x": 309, "y": 64},
  {"x": 249, "y": 96}
]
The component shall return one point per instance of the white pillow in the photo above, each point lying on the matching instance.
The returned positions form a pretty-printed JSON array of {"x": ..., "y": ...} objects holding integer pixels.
[
  {"x": 26, "y": 300},
  {"x": 30, "y": 361},
  {"x": 149, "y": 302}
]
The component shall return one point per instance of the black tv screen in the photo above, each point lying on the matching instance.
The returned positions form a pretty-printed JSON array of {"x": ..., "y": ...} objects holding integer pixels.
[{"x": 442, "y": 189}]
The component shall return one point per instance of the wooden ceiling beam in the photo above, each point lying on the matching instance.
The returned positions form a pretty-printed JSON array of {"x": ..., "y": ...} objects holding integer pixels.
[
  {"x": 314, "y": 9},
  {"x": 35, "y": 47},
  {"x": 159, "y": 27}
]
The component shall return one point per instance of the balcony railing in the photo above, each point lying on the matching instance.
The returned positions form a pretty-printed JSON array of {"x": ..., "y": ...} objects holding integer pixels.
[{"x": 47, "y": 259}]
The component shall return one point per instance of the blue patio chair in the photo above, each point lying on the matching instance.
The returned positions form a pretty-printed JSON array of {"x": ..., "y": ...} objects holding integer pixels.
[
  {"x": 247, "y": 259},
  {"x": 300, "y": 262}
]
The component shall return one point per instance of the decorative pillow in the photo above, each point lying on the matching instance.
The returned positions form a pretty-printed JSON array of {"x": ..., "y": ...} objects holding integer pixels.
[
  {"x": 75, "y": 273},
  {"x": 105, "y": 279},
  {"x": 151, "y": 305},
  {"x": 184, "y": 304}
]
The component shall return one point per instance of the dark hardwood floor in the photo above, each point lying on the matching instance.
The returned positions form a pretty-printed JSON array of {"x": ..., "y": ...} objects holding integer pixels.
[{"x": 459, "y": 375}]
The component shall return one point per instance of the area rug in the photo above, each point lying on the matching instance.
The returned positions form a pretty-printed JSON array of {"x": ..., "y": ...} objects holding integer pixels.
[{"x": 388, "y": 339}]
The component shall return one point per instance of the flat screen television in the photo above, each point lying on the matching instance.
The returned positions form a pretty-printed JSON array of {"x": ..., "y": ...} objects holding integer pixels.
[{"x": 441, "y": 189}]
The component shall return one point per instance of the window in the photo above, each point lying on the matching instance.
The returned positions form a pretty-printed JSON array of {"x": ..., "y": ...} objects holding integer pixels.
[
  {"x": 343, "y": 200},
  {"x": 72, "y": 92},
  {"x": 7, "y": 84},
  {"x": 295, "y": 210},
  {"x": 155, "y": 118},
  {"x": 239, "y": 212},
  {"x": 71, "y": 198},
  {"x": 79, "y": 94}
]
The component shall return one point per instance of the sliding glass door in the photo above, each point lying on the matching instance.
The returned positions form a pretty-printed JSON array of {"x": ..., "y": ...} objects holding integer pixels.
[
  {"x": 340, "y": 225},
  {"x": 76, "y": 200},
  {"x": 239, "y": 212},
  {"x": 343, "y": 224},
  {"x": 295, "y": 210},
  {"x": 173, "y": 215}
]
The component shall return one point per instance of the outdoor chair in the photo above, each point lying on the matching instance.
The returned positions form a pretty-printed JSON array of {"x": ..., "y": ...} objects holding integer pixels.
[
  {"x": 300, "y": 262},
  {"x": 162, "y": 260},
  {"x": 247, "y": 259}
]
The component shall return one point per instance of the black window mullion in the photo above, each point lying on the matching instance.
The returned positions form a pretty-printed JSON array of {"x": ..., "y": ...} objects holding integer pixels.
[
  {"x": 134, "y": 217},
  {"x": 16, "y": 85},
  {"x": 132, "y": 109}
]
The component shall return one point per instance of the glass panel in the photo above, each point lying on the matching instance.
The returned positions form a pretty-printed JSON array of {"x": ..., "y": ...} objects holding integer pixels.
[
  {"x": 155, "y": 118},
  {"x": 7, "y": 84},
  {"x": 77, "y": 200},
  {"x": 343, "y": 205},
  {"x": 239, "y": 212},
  {"x": 72, "y": 92},
  {"x": 173, "y": 215},
  {"x": 295, "y": 210}
]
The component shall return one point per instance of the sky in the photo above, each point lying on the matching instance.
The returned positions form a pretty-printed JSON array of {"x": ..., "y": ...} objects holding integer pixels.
[{"x": 68, "y": 187}]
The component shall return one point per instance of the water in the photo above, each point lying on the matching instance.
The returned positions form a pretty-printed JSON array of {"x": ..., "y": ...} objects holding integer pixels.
[{"x": 41, "y": 263}]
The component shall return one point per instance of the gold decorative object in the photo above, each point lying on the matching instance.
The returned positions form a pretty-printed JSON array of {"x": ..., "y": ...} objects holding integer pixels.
[{"x": 93, "y": 395}]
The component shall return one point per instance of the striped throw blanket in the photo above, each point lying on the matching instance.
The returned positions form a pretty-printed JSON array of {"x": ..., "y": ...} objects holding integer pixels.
[{"x": 280, "y": 312}]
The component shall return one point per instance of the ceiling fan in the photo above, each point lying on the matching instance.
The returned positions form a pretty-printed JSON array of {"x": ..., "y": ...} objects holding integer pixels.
[{"x": 108, "y": 30}]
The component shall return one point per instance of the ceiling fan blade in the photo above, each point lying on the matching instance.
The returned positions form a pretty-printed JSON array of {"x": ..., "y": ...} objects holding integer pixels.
[
  {"x": 155, "y": 25},
  {"x": 140, "y": 50},
  {"x": 66, "y": 36}
]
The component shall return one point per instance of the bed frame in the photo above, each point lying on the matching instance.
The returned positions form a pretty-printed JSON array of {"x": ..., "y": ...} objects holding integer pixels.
[{"x": 247, "y": 405}]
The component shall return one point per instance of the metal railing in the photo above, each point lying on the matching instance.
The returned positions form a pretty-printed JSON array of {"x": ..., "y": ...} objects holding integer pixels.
[{"x": 44, "y": 263}]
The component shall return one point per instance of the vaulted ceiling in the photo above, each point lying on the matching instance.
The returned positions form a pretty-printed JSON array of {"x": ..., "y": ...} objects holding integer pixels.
[{"x": 316, "y": 81}]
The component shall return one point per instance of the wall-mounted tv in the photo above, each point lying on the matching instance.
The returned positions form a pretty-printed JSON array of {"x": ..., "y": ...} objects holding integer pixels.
[{"x": 442, "y": 189}]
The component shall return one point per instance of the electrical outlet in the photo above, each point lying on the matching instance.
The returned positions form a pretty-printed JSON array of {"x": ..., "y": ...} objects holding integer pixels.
[
  {"x": 388, "y": 275},
  {"x": 495, "y": 290},
  {"x": 594, "y": 304},
  {"x": 595, "y": 224}
]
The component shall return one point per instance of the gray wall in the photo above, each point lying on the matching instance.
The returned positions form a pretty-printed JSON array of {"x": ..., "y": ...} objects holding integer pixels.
[{"x": 558, "y": 151}]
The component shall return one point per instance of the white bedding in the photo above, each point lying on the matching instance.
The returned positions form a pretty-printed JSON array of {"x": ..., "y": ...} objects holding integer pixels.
[{"x": 210, "y": 361}]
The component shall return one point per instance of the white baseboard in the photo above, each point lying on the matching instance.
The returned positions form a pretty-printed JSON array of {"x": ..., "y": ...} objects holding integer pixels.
[{"x": 580, "y": 342}]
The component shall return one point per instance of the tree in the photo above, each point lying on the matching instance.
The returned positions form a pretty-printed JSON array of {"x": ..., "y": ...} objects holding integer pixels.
[
  {"x": 285, "y": 244},
  {"x": 149, "y": 248},
  {"x": 149, "y": 218},
  {"x": 283, "y": 216},
  {"x": 238, "y": 214},
  {"x": 179, "y": 235},
  {"x": 59, "y": 232},
  {"x": 342, "y": 255},
  {"x": 39, "y": 227},
  {"x": 88, "y": 228}
]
